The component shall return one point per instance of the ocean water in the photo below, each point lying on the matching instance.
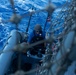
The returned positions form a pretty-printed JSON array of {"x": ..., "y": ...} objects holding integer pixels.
[{"x": 23, "y": 6}]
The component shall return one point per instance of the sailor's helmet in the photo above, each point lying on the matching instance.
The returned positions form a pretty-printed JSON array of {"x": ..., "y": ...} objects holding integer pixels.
[{"x": 38, "y": 27}]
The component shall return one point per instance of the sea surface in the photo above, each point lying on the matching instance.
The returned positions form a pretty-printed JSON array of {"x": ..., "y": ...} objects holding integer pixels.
[{"x": 23, "y": 6}]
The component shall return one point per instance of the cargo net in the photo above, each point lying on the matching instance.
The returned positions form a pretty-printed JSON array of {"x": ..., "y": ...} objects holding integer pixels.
[{"x": 61, "y": 25}]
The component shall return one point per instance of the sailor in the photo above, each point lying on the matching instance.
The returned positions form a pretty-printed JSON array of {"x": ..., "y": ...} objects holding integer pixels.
[{"x": 36, "y": 35}]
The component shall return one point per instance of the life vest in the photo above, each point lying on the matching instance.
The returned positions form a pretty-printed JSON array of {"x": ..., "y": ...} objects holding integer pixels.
[
  {"x": 37, "y": 38},
  {"x": 40, "y": 46}
]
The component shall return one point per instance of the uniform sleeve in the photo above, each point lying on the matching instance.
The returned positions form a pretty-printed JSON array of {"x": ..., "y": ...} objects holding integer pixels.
[
  {"x": 43, "y": 34},
  {"x": 30, "y": 37}
]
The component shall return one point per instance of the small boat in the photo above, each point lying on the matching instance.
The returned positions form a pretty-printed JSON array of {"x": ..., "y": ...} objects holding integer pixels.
[{"x": 11, "y": 64}]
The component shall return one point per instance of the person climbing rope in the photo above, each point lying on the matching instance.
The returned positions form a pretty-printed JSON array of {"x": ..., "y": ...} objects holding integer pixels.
[{"x": 36, "y": 35}]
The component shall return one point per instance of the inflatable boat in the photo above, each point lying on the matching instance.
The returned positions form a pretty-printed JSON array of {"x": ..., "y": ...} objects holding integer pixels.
[{"x": 9, "y": 57}]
